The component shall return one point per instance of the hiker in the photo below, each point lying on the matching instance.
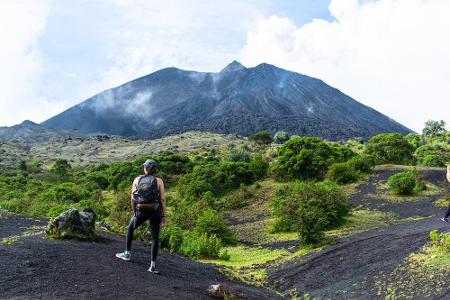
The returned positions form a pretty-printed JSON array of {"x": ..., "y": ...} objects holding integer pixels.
[
  {"x": 447, "y": 214},
  {"x": 148, "y": 202}
]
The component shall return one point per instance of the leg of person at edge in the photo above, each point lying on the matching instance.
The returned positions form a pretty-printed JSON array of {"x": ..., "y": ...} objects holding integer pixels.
[
  {"x": 447, "y": 214},
  {"x": 156, "y": 218}
]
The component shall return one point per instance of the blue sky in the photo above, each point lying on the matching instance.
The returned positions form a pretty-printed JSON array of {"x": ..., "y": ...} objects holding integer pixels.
[{"x": 58, "y": 53}]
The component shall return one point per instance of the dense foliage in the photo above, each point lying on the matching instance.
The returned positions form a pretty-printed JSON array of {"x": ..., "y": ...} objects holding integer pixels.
[
  {"x": 261, "y": 137},
  {"x": 202, "y": 185},
  {"x": 307, "y": 158},
  {"x": 309, "y": 208},
  {"x": 390, "y": 148}
]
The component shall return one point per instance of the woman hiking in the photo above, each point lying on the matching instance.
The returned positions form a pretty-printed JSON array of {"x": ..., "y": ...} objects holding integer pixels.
[
  {"x": 148, "y": 202},
  {"x": 447, "y": 214}
]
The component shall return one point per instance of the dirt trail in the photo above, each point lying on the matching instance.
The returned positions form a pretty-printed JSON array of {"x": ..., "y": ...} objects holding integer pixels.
[
  {"x": 37, "y": 268},
  {"x": 346, "y": 269}
]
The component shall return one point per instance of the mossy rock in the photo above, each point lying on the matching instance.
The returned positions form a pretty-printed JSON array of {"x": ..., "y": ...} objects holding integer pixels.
[{"x": 73, "y": 224}]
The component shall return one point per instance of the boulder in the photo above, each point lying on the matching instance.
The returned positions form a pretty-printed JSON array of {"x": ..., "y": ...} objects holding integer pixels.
[
  {"x": 73, "y": 224},
  {"x": 223, "y": 291}
]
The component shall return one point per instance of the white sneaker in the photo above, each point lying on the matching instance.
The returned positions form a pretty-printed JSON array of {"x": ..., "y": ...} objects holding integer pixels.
[
  {"x": 124, "y": 255},
  {"x": 444, "y": 220}
]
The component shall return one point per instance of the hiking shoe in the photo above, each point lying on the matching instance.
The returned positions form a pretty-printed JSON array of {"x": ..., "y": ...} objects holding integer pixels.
[
  {"x": 444, "y": 220},
  {"x": 153, "y": 270},
  {"x": 124, "y": 256}
]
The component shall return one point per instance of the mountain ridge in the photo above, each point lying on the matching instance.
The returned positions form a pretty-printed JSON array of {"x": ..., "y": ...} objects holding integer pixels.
[{"x": 236, "y": 100}]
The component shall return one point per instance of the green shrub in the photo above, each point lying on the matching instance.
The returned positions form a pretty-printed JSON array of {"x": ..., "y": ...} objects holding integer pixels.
[
  {"x": 240, "y": 154},
  {"x": 184, "y": 213},
  {"x": 280, "y": 137},
  {"x": 342, "y": 173},
  {"x": 389, "y": 148},
  {"x": 311, "y": 222},
  {"x": 258, "y": 167},
  {"x": 440, "y": 241},
  {"x": 61, "y": 168},
  {"x": 303, "y": 158},
  {"x": 309, "y": 208},
  {"x": 363, "y": 164},
  {"x": 261, "y": 137},
  {"x": 402, "y": 183},
  {"x": 201, "y": 245},
  {"x": 213, "y": 223},
  {"x": 99, "y": 179},
  {"x": 433, "y": 160},
  {"x": 171, "y": 238},
  {"x": 67, "y": 192},
  {"x": 237, "y": 199}
]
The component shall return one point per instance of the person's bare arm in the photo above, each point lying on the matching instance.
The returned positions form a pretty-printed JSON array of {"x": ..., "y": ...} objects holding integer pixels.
[
  {"x": 133, "y": 189},
  {"x": 162, "y": 195},
  {"x": 448, "y": 173}
]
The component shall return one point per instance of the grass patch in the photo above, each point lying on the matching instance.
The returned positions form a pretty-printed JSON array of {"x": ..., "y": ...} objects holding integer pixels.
[
  {"x": 362, "y": 220},
  {"x": 241, "y": 256},
  {"x": 34, "y": 230},
  {"x": 9, "y": 240},
  {"x": 384, "y": 193},
  {"x": 443, "y": 202}
]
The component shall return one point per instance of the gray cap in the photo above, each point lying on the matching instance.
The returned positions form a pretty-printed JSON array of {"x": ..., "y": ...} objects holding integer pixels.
[{"x": 149, "y": 163}]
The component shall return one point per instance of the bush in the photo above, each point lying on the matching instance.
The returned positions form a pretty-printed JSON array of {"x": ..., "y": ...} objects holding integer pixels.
[
  {"x": 433, "y": 160},
  {"x": 440, "y": 241},
  {"x": 201, "y": 245},
  {"x": 237, "y": 199},
  {"x": 184, "y": 213},
  {"x": 389, "y": 148},
  {"x": 240, "y": 154},
  {"x": 280, "y": 137},
  {"x": 361, "y": 164},
  {"x": 258, "y": 167},
  {"x": 213, "y": 223},
  {"x": 61, "y": 168},
  {"x": 303, "y": 158},
  {"x": 342, "y": 173},
  {"x": 171, "y": 238},
  {"x": 402, "y": 183},
  {"x": 309, "y": 208},
  {"x": 261, "y": 137}
]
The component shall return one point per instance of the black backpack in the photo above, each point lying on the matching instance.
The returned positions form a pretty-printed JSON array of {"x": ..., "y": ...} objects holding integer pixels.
[{"x": 147, "y": 190}]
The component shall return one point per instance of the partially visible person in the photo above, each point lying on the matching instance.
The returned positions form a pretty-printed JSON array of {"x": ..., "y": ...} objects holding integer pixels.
[
  {"x": 447, "y": 214},
  {"x": 148, "y": 202}
]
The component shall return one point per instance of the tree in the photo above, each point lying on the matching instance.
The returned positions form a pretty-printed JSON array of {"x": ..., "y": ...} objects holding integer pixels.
[
  {"x": 433, "y": 128},
  {"x": 303, "y": 158},
  {"x": 389, "y": 148}
]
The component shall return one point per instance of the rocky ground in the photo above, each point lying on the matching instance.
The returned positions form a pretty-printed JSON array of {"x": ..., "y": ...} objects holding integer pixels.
[{"x": 33, "y": 267}]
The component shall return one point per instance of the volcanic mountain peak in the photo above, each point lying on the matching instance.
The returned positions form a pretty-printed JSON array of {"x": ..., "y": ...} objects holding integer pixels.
[
  {"x": 235, "y": 100},
  {"x": 233, "y": 66}
]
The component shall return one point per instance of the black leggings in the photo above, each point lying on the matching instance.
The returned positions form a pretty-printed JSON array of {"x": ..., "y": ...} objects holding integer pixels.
[
  {"x": 447, "y": 214},
  {"x": 137, "y": 221}
]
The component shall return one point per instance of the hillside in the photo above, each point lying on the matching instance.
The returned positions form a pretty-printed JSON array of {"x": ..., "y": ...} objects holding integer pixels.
[
  {"x": 30, "y": 132},
  {"x": 84, "y": 150},
  {"x": 235, "y": 100}
]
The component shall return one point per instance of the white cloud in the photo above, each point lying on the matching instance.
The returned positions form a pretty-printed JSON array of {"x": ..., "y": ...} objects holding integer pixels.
[
  {"x": 392, "y": 55},
  {"x": 199, "y": 35},
  {"x": 21, "y": 25}
]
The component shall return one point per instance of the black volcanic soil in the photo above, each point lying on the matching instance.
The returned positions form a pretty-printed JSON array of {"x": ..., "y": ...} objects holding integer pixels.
[
  {"x": 347, "y": 269},
  {"x": 38, "y": 268}
]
